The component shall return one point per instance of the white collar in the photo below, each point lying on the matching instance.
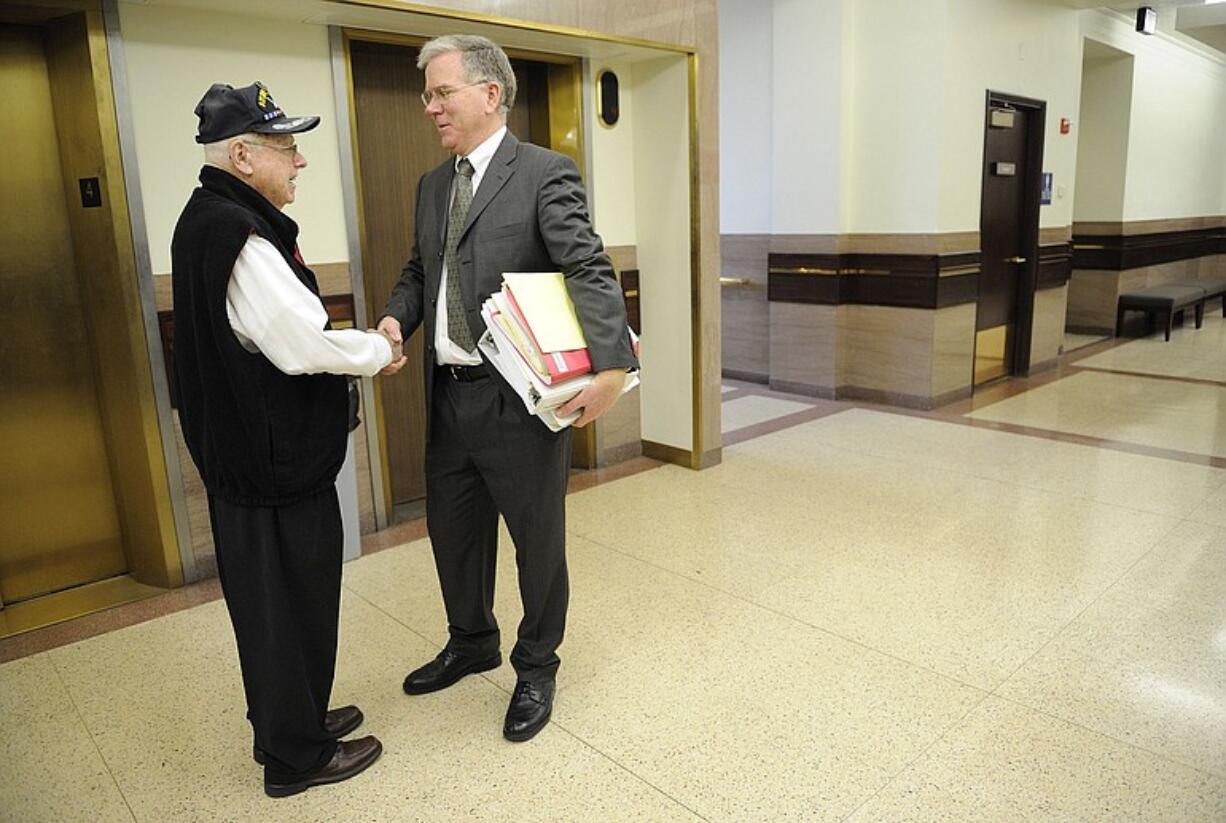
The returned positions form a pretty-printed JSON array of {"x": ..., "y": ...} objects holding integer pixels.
[{"x": 481, "y": 156}]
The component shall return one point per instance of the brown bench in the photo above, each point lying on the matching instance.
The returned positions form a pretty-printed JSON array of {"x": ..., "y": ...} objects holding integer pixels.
[{"x": 1165, "y": 300}]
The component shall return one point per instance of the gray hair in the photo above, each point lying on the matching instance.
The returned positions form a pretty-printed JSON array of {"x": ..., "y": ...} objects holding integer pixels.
[{"x": 482, "y": 60}]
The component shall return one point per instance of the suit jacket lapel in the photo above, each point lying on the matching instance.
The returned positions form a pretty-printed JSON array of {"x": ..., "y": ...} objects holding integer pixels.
[
  {"x": 442, "y": 199},
  {"x": 496, "y": 175},
  {"x": 437, "y": 188}
]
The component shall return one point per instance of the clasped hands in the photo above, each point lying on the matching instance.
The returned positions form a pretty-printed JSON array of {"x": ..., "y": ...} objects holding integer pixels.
[{"x": 395, "y": 340}]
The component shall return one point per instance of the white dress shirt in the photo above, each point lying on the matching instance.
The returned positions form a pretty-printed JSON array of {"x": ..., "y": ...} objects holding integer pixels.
[
  {"x": 445, "y": 351},
  {"x": 272, "y": 312}
]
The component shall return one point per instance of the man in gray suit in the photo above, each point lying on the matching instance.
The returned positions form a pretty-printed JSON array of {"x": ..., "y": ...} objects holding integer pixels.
[{"x": 498, "y": 205}]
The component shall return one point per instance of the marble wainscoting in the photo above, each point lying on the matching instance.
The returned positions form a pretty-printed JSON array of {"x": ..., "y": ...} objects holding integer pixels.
[
  {"x": 804, "y": 348},
  {"x": 918, "y": 358},
  {"x": 745, "y": 327},
  {"x": 1094, "y": 293},
  {"x": 1110, "y": 259},
  {"x": 1047, "y": 327}
]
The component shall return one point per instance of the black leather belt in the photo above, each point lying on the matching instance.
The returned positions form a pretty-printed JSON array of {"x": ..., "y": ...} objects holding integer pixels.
[{"x": 465, "y": 374}]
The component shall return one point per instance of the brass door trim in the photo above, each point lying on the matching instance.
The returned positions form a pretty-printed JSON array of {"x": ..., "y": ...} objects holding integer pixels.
[
  {"x": 518, "y": 24},
  {"x": 377, "y": 451},
  {"x": 145, "y": 284},
  {"x": 802, "y": 270},
  {"x": 698, "y": 438},
  {"x": 351, "y": 195}
]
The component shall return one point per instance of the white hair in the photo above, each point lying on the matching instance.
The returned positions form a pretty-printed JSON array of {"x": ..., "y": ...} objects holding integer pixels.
[
  {"x": 482, "y": 60},
  {"x": 217, "y": 153}
]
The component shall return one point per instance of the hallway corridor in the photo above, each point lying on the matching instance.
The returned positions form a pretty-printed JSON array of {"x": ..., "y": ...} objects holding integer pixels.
[{"x": 1009, "y": 609}]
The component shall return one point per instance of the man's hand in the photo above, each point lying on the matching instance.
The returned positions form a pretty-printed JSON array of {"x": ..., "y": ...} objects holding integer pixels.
[
  {"x": 597, "y": 398},
  {"x": 396, "y": 345},
  {"x": 389, "y": 327}
]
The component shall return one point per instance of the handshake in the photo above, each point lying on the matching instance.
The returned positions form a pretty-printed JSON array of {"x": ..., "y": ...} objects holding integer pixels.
[{"x": 393, "y": 340}]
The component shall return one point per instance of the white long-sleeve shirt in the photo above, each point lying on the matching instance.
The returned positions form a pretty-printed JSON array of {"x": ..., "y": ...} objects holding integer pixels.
[
  {"x": 445, "y": 351},
  {"x": 272, "y": 312}
]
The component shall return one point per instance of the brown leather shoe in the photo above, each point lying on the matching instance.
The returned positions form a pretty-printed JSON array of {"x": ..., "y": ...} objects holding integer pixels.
[
  {"x": 342, "y": 721},
  {"x": 351, "y": 757},
  {"x": 337, "y": 724}
]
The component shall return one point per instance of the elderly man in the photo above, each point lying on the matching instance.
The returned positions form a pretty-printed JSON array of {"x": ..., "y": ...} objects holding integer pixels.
[
  {"x": 498, "y": 205},
  {"x": 265, "y": 409}
]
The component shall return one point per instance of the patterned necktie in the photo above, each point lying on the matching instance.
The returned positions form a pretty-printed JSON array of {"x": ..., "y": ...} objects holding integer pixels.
[{"x": 457, "y": 321}]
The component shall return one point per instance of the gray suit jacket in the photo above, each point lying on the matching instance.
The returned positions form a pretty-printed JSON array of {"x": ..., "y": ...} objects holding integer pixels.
[{"x": 528, "y": 214}]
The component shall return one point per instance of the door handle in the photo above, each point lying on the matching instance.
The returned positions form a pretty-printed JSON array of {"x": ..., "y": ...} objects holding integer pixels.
[
  {"x": 1015, "y": 259},
  {"x": 735, "y": 281}
]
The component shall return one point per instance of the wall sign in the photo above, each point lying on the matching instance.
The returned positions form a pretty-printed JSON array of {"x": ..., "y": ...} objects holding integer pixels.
[{"x": 1045, "y": 190}]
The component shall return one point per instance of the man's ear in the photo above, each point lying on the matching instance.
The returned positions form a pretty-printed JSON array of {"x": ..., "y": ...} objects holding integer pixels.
[
  {"x": 240, "y": 156},
  {"x": 493, "y": 95}
]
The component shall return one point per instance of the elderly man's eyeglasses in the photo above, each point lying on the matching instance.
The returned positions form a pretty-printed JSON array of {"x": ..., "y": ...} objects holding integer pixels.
[
  {"x": 291, "y": 149},
  {"x": 442, "y": 93}
]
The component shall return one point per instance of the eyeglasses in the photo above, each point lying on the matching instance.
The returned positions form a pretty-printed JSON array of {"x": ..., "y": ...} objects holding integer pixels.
[
  {"x": 291, "y": 149},
  {"x": 442, "y": 93}
]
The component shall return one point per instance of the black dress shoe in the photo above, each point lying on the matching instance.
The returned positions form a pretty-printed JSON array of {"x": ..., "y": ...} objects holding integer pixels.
[
  {"x": 337, "y": 724},
  {"x": 351, "y": 757},
  {"x": 446, "y": 669},
  {"x": 531, "y": 706}
]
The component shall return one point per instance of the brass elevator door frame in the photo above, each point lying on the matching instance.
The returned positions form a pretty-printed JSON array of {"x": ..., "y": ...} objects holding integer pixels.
[{"x": 59, "y": 524}]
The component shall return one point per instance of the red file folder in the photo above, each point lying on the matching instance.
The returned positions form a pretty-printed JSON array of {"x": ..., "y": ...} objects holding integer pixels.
[{"x": 562, "y": 365}]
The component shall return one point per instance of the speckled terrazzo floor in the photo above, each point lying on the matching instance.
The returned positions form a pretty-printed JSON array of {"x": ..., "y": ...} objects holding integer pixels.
[{"x": 866, "y": 616}]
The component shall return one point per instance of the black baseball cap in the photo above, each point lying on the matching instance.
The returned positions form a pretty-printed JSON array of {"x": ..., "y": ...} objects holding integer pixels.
[{"x": 225, "y": 111}]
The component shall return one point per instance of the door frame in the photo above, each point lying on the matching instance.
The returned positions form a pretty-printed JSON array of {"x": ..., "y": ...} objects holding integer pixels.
[{"x": 1027, "y": 281}]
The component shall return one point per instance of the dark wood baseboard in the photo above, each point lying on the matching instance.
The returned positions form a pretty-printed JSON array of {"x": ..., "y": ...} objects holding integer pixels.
[
  {"x": 1098, "y": 331},
  {"x": 682, "y": 457},
  {"x": 908, "y": 401},
  {"x": 805, "y": 389},
  {"x": 865, "y": 395},
  {"x": 746, "y": 376}
]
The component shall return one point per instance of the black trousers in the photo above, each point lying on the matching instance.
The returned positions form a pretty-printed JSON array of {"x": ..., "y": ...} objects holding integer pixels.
[
  {"x": 487, "y": 456},
  {"x": 280, "y": 570}
]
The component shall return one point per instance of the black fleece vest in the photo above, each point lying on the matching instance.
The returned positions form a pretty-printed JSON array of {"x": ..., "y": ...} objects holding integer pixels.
[{"x": 259, "y": 437}]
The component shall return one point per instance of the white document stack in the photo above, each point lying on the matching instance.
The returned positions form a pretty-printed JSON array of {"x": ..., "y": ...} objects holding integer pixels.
[{"x": 511, "y": 349}]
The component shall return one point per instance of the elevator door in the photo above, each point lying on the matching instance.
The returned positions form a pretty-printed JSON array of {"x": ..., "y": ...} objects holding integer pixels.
[{"x": 58, "y": 522}]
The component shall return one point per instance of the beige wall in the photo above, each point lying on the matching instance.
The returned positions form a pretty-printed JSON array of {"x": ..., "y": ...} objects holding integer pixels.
[
  {"x": 805, "y": 129},
  {"x": 1014, "y": 46},
  {"x": 1102, "y": 143},
  {"x": 173, "y": 56},
  {"x": 746, "y": 90},
  {"x": 898, "y": 120},
  {"x": 662, "y": 209},
  {"x": 612, "y": 172},
  {"x": 1176, "y": 143}
]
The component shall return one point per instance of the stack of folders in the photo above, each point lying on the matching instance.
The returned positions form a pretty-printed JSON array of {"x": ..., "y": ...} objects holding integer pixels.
[{"x": 534, "y": 339}]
